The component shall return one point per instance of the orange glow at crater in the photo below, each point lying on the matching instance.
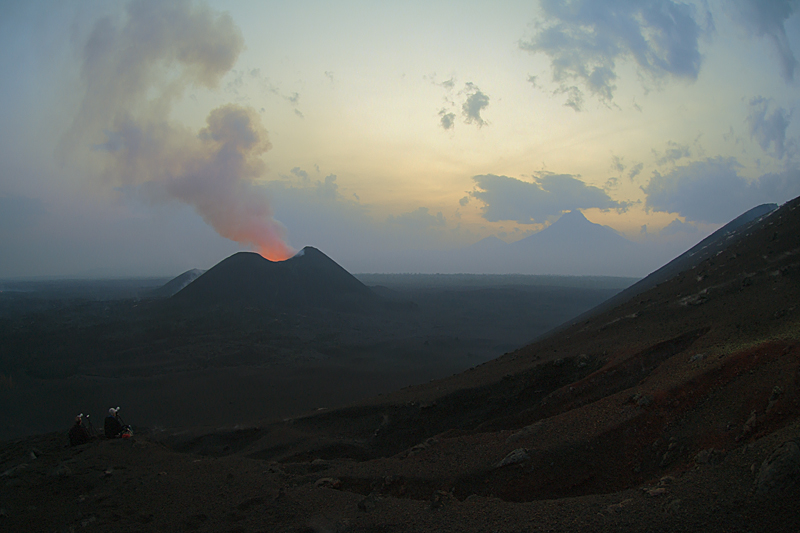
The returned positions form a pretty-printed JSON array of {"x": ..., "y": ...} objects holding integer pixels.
[{"x": 278, "y": 251}]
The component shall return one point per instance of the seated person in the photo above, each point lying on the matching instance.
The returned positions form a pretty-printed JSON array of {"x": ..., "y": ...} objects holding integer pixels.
[
  {"x": 78, "y": 434},
  {"x": 113, "y": 426}
]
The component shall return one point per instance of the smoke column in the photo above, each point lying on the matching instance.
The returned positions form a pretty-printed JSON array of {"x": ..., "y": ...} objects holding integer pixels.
[{"x": 134, "y": 70}]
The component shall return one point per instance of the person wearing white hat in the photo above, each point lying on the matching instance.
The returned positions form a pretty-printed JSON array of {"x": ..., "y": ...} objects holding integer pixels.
[{"x": 112, "y": 426}]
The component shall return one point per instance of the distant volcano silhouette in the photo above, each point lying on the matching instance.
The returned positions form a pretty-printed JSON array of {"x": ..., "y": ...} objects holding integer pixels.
[
  {"x": 309, "y": 279},
  {"x": 174, "y": 285}
]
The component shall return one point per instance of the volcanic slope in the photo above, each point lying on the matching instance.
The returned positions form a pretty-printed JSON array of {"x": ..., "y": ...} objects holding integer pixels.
[
  {"x": 678, "y": 410},
  {"x": 176, "y": 284},
  {"x": 705, "y": 249},
  {"x": 309, "y": 279}
]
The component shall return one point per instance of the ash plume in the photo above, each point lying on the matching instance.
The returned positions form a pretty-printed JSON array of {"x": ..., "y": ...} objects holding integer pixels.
[{"x": 134, "y": 71}]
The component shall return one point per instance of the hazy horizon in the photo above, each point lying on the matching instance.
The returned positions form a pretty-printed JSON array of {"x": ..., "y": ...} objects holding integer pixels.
[{"x": 144, "y": 139}]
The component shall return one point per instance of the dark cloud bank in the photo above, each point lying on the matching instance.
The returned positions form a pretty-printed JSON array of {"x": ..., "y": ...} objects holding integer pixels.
[
  {"x": 547, "y": 196},
  {"x": 713, "y": 191},
  {"x": 586, "y": 39},
  {"x": 764, "y": 18}
]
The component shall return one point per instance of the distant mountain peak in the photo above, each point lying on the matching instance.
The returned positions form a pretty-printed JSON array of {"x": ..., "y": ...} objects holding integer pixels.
[
  {"x": 574, "y": 220},
  {"x": 575, "y": 214},
  {"x": 573, "y": 226}
]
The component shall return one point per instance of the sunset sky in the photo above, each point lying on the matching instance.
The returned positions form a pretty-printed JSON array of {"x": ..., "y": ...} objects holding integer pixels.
[{"x": 147, "y": 137}]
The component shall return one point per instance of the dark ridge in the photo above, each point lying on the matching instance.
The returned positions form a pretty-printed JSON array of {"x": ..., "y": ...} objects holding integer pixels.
[
  {"x": 712, "y": 245},
  {"x": 177, "y": 284},
  {"x": 309, "y": 279}
]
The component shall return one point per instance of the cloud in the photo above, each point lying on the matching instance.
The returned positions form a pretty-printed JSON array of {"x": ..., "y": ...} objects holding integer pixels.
[
  {"x": 133, "y": 73},
  {"x": 586, "y": 39},
  {"x": 713, "y": 191},
  {"x": 574, "y": 97},
  {"x": 672, "y": 153},
  {"x": 534, "y": 202},
  {"x": 768, "y": 128},
  {"x": 300, "y": 173},
  {"x": 617, "y": 164},
  {"x": 448, "y": 119},
  {"x": 635, "y": 170},
  {"x": 768, "y": 18},
  {"x": 328, "y": 188},
  {"x": 676, "y": 227},
  {"x": 476, "y": 102},
  {"x": 294, "y": 100},
  {"x": 420, "y": 219}
]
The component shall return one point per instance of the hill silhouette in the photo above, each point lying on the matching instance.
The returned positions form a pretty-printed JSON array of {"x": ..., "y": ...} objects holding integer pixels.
[
  {"x": 177, "y": 283},
  {"x": 309, "y": 279},
  {"x": 572, "y": 245}
]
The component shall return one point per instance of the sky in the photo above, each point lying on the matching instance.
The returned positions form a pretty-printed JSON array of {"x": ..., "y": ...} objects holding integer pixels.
[{"x": 147, "y": 138}]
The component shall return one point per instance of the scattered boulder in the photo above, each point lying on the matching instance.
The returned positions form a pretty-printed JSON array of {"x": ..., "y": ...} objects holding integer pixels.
[
  {"x": 695, "y": 299},
  {"x": 417, "y": 448},
  {"x": 11, "y": 472},
  {"x": 673, "y": 507},
  {"x": 369, "y": 503},
  {"x": 642, "y": 400},
  {"x": 328, "y": 482},
  {"x": 617, "y": 507},
  {"x": 275, "y": 468},
  {"x": 780, "y": 472},
  {"x": 672, "y": 453},
  {"x": 750, "y": 425},
  {"x": 440, "y": 498},
  {"x": 777, "y": 392},
  {"x": 519, "y": 455},
  {"x": 696, "y": 358},
  {"x": 709, "y": 456}
]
